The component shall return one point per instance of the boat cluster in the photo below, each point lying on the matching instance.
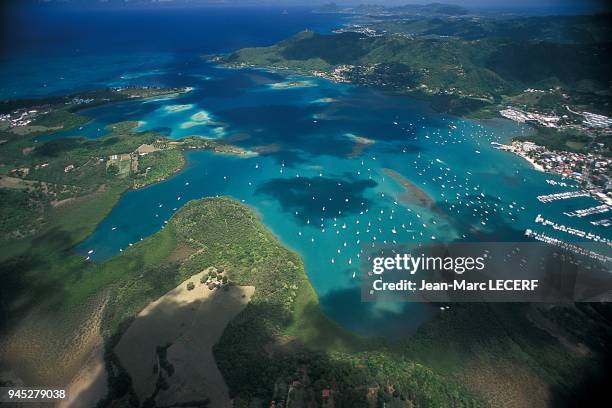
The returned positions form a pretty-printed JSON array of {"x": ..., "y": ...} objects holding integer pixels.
[
  {"x": 567, "y": 246},
  {"x": 572, "y": 231}
]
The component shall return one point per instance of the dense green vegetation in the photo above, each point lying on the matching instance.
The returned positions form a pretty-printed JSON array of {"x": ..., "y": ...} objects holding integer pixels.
[
  {"x": 556, "y": 29},
  {"x": 282, "y": 335},
  {"x": 156, "y": 166},
  {"x": 283, "y": 314},
  {"x": 63, "y": 119},
  {"x": 21, "y": 210},
  {"x": 50, "y": 172},
  {"x": 471, "y": 65},
  {"x": 564, "y": 65},
  {"x": 483, "y": 69}
]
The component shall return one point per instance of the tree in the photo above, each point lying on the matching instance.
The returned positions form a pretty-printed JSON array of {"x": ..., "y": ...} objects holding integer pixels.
[
  {"x": 190, "y": 286},
  {"x": 112, "y": 169}
]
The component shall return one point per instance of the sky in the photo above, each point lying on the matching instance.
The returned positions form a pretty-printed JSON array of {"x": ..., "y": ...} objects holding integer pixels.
[
  {"x": 466, "y": 3},
  {"x": 568, "y": 6}
]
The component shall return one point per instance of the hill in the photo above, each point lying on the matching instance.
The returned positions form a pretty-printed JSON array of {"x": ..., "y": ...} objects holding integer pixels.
[
  {"x": 464, "y": 74},
  {"x": 431, "y": 9},
  {"x": 557, "y": 29}
]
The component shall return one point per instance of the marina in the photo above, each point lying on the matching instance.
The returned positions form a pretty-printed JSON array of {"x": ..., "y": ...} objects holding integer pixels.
[
  {"x": 562, "y": 196},
  {"x": 572, "y": 231},
  {"x": 606, "y": 222},
  {"x": 599, "y": 209},
  {"x": 577, "y": 249}
]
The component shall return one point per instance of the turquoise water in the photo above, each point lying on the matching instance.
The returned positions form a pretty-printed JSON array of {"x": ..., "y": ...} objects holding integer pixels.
[{"x": 322, "y": 195}]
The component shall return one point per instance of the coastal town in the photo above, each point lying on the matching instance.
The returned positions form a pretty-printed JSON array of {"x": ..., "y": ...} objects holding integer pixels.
[
  {"x": 583, "y": 161},
  {"x": 581, "y": 121},
  {"x": 588, "y": 174},
  {"x": 358, "y": 28},
  {"x": 380, "y": 75},
  {"x": 20, "y": 117},
  {"x": 591, "y": 171}
]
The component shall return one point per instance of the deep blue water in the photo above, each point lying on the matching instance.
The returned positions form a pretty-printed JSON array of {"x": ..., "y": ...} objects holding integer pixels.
[
  {"x": 319, "y": 195},
  {"x": 52, "y": 50}
]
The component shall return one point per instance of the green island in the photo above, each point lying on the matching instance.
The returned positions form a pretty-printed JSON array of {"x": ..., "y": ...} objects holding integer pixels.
[
  {"x": 57, "y": 308},
  {"x": 551, "y": 72}
]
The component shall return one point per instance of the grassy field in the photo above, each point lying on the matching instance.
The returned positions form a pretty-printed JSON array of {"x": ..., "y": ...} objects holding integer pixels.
[{"x": 187, "y": 323}]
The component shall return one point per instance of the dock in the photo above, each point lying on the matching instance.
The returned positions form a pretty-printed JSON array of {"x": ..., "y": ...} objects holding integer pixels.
[{"x": 562, "y": 196}]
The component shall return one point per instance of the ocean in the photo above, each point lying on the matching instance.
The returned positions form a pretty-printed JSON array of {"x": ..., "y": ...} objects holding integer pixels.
[{"x": 323, "y": 185}]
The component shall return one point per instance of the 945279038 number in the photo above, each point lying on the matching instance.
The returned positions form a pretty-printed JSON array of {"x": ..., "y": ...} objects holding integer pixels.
[{"x": 14, "y": 394}]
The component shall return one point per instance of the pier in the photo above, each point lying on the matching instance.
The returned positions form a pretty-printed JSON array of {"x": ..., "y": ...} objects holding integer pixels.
[
  {"x": 562, "y": 196},
  {"x": 600, "y": 209},
  {"x": 606, "y": 222},
  {"x": 567, "y": 246},
  {"x": 572, "y": 231}
]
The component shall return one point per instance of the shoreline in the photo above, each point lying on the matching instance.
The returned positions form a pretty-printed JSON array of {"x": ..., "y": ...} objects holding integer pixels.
[
  {"x": 535, "y": 165},
  {"x": 515, "y": 152},
  {"x": 309, "y": 74}
]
